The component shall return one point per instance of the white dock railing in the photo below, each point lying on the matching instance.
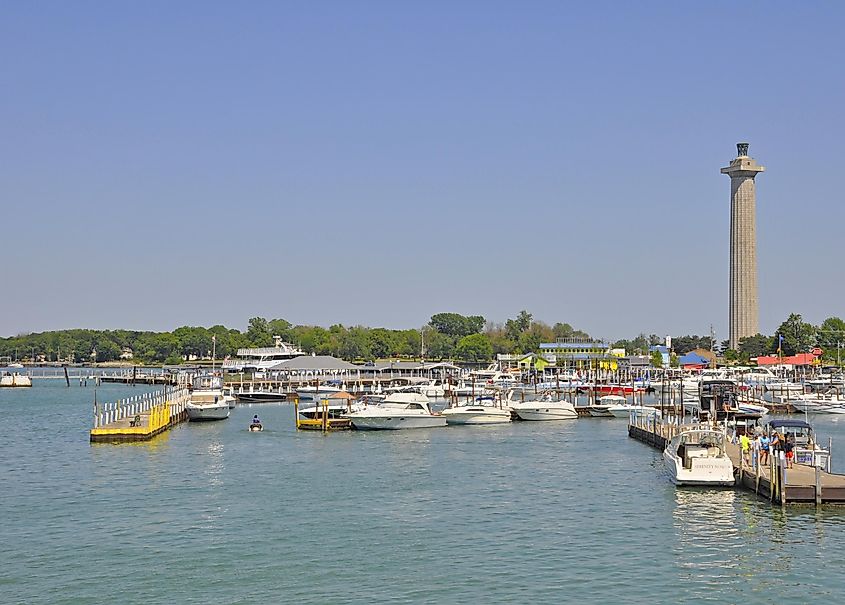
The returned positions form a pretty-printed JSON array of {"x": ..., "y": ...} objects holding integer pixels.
[{"x": 107, "y": 413}]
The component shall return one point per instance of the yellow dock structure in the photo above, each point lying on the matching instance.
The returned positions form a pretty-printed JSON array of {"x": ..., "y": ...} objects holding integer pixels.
[
  {"x": 323, "y": 420},
  {"x": 139, "y": 418}
]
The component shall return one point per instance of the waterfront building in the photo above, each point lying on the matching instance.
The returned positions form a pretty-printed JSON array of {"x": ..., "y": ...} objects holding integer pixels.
[
  {"x": 744, "y": 319},
  {"x": 580, "y": 354}
]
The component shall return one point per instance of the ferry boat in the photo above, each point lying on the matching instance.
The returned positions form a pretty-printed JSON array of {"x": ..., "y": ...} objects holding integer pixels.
[
  {"x": 207, "y": 400},
  {"x": 262, "y": 358},
  {"x": 698, "y": 457}
]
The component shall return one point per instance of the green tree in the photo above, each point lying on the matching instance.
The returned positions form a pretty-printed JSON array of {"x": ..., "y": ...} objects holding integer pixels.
[
  {"x": 475, "y": 347},
  {"x": 258, "y": 332},
  {"x": 755, "y": 346},
  {"x": 454, "y": 324},
  {"x": 798, "y": 335},
  {"x": 831, "y": 333},
  {"x": 656, "y": 359}
]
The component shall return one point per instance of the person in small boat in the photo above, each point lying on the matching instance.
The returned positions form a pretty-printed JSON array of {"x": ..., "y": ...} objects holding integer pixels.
[{"x": 256, "y": 420}]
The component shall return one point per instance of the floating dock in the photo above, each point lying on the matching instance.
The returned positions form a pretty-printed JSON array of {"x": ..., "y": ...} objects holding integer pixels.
[
  {"x": 139, "y": 418},
  {"x": 803, "y": 483}
]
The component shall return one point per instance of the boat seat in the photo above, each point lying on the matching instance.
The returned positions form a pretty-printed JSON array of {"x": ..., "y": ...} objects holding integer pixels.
[{"x": 136, "y": 421}]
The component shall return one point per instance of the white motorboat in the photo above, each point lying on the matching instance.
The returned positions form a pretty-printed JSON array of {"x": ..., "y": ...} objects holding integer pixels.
[
  {"x": 698, "y": 457},
  {"x": 397, "y": 411},
  {"x": 546, "y": 407},
  {"x": 819, "y": 403},
  {"x": 601, "y": 407},
  {"x": 207, "y": 401},
  {"x": 15, "y": 380},
  {"x": 483, "y": 410},
  {"x": 625, "y": 410}
]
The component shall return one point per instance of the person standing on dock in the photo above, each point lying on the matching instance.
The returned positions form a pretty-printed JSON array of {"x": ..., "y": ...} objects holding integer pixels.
[
  {"x": 764, "y": 449},
  {"x": 788, "y": 447},
  {"x": 745, "y": 445}
]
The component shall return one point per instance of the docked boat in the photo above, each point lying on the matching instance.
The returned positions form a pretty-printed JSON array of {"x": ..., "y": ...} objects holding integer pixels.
[
  {"x": 819, "y": 403},
  {"x": 482, "y": 410},
  {"x": 548, "y": 406},
  {"x": 260, "y": 395},
  {"x": 807, "y": 449},
  {"x": 207, "y": 400},
  {"x": 698, "y": 457},
  {"x": 15, "y": 380},
  {"x": 601, "y": 407},
  {"x": 316, "y": 393},
  {"x": 263, "y": 358},
  {"x": 397, "y": 411}
]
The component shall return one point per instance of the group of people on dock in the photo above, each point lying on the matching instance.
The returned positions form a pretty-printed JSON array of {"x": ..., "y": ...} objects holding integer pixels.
[{"x": 757, "y": 447}]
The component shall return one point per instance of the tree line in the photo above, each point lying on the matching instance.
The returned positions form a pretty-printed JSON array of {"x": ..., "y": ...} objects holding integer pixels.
[{"x": 468, "y": 338}]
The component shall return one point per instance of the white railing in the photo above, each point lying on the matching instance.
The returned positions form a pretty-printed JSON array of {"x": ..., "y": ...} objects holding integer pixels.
[{"x": 108, "y": 413}]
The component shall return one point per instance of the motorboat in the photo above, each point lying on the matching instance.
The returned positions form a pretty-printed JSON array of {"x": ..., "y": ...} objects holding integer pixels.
[
  {"x": 207, "y": 400},
  {"x": 15, "y": 380},
  {"x": 482, "y": 410},
  {"x": 430, "y": 388},
  {"x": 819, "y": 403},
  {"x": 601, "y": 407},
  {"x": 806, "y": 447},
  {"x": 548, "y": 406},
  {"x": 260, "y": 395},
  {"x": 698, "y": 457},
  {"x": 397, "y": 411}
]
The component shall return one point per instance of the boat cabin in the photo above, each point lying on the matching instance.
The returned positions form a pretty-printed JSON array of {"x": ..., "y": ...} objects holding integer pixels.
[
  {"x": 700, "y": 444},
  {"x": 207, "y": 382}
]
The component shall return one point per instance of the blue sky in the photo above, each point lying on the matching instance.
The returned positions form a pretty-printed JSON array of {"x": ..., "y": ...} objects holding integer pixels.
[{"x": 378, "y": 162}]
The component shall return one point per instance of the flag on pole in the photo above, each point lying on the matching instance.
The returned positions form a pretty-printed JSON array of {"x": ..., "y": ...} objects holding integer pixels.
[{"x": 780, "y": 343}]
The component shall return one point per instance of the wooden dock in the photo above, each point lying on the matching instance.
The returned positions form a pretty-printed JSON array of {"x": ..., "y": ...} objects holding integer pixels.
[
  {"x": 803, "y": 483},
  {"x": 139, "y": 418}
]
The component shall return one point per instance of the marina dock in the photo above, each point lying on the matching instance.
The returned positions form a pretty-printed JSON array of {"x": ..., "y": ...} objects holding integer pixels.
[
  {"x": 139, "y": 418},
  {"x": 803, "y": 483}
]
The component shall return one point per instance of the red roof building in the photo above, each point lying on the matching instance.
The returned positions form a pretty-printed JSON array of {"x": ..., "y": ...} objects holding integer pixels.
[{"x": 801, "y": 359}]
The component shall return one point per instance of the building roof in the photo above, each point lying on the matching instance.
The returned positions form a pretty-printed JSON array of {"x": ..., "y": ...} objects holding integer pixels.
[
  {"x": 693, "y": 359},
  {"x": 312, "y": 363}
]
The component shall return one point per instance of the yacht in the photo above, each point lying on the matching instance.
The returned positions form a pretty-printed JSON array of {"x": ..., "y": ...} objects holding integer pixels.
[
  {"x": 207, "y": 401},
  {"x": 807, "y": 449},
  {"x": 819, "y": 403},
  {"x": 262, "y": 358},
  {"x": 15, "y": 380},
  {"x": 698, "y": 457},
  {"x": 397, "y": 411},
  {"x": 483, "y": 410},
  {"x": 548, "y": 406}
]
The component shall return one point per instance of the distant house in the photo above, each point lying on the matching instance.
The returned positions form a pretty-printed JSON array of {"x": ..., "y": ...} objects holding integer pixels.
[
  {"x": 693, "y": 361},
  {"x": 579, "y": 354},
  {"x": 529, "y": 361},
  {"x": 127, "y": 353},
  {"x": 664, "y": 354}
]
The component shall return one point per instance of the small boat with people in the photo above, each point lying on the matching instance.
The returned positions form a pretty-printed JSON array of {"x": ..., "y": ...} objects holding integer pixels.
[
  {"x": 255, "y": 425},
  {"x": 397, "y": 411},
  {"x": 699, "y": 457},
  {"x": 207, "y": 400}
]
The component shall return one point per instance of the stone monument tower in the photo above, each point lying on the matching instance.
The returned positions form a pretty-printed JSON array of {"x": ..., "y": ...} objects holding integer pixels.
[{"x": 744, "y": 318}]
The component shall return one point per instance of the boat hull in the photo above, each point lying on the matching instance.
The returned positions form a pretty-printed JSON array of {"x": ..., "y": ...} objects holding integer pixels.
[
  {"x": 396, "y": 422},
  {"x": 197, "y": 413},
  {"x": 541, "y": 413},
  {"x": 470, "y": 416},
  {"x": 261, "y": 397},
  {"x": 705, "y": 472}
]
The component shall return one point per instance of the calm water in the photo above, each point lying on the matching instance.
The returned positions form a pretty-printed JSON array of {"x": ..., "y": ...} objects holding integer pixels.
[{"x": 523, "y": 513}]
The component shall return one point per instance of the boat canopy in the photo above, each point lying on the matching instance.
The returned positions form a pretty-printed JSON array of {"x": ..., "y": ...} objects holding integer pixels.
[{"x": 786, "y": 422}]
